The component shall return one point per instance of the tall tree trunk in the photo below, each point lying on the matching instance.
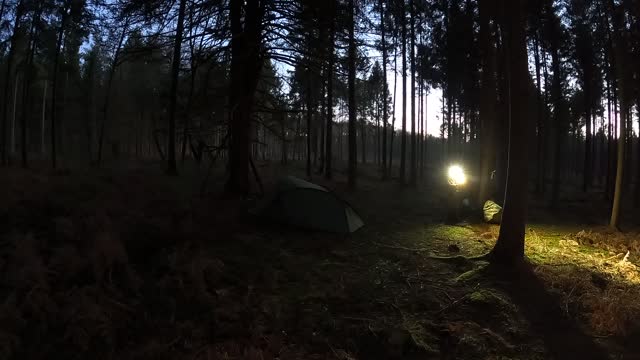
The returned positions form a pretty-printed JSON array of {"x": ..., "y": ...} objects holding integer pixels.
[
  {"x": 20, "y": 8},
  {"x": 62, "y": 133},
  {"x": 603, "y": 149},
  {"x": 353, "y": 159},
  {"x": 413, "y": 175},
  {"x": 419, "y": 129},
  {"x": 393, "y": 114},
  {"x": 637, "y": 83},
  {"x": 309, "y": 118},
  {"x": 284, "y": 149},
  {"x": 637, "y": 190},
  {"x": 385, "y": 90},
  {"x": 620, "y": 61},
  {"x": 297, "y": 146},
  {"x": 54, "y": 85},
  {"x": 363, "y": 142},
  {"x": 192, "y": 83},
  {"x": 105, "y": 107},
  {"x": 26, "y": 89},
  {"x": 510, "y": 244},
  {"x": 615, "y": 142},
  {"x": 44, "y": 112},
  {"x": 488, "y": 102},
  {"x": 629, "y": 144},
  {"x": 331, "y": 53},
  {"x": 443, "y": 150},
  {"x": 545, "y": 125},
  {"x": 425, "y": 133},
  {"x": 323, "y": 117},
  {"x": 617, "y": 195},
  {"x": 377, "y": 144},
  {"x": 607, "y": 187},
  {"x": 559, "y": 119},
  {"x": 539, "y": 183},
  {"x": 246, "y": 65},
  {"x": 173, "y": 95},
  {"x": 403, "y": 143},
  {"x": 14, "y": 114},
  {"x": 501, "y": 135},
  {"x": 588, "y": 158}
]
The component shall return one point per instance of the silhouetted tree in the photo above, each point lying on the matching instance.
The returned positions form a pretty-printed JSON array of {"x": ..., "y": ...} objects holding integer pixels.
[
  {"x": 510, "y": 244},
  {"x": 353, "y": 159}
]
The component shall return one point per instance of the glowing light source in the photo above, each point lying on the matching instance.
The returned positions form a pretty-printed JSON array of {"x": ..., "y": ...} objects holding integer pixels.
[{"x": 456, "y": 175}]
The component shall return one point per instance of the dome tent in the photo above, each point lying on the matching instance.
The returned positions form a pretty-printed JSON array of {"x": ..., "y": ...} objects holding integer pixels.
[{"x": 303, "y": 204}]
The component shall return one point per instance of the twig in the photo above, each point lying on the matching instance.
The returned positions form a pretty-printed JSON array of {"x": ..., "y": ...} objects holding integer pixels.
[
  {"x": 334, "y": 351},
  {"x": 446, "y": 294},
  {"x": 202, "y": 349},
  {"x": 614, "y": 257},
  {"x": 127, "y": 308},
  {"x": 566, "y": 303},
  {"x": 626, "y": 257}
]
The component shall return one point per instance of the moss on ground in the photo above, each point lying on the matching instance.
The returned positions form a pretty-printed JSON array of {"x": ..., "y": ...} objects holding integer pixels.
[
  {"x": 490, "y": 299},
  {"x": 473, "y": 274}
]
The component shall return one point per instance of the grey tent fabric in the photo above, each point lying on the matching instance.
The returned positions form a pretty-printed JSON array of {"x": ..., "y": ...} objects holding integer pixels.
[
  {"x": 303, "y": 204},
  {"x": 492, "y": 212}
]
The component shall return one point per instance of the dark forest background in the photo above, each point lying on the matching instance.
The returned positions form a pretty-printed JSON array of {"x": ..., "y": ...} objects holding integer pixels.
[{"x": 85, "y": 82}]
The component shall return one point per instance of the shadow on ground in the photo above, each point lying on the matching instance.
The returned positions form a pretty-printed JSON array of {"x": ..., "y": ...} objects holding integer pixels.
[{"x": 562, "y": 337}]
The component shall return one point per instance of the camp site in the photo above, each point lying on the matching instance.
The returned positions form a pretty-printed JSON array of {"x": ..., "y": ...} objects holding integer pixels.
[{"x": 319, "y": 180}]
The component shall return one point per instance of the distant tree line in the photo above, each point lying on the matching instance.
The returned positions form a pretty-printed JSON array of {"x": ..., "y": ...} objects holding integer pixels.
[{"x": 84, "y": 80}]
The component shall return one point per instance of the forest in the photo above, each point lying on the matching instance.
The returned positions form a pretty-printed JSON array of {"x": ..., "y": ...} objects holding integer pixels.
[{"x": 336, "y": 179}]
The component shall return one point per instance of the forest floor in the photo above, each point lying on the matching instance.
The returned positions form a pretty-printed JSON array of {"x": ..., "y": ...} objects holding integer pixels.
[{"x": 130, "y": 264}]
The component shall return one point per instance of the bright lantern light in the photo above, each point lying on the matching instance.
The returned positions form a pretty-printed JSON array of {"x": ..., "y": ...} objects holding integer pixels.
[{"x": 456, "y": 175}]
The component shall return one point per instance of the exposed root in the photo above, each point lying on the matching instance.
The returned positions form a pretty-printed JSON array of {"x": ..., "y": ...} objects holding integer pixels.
[
  {"x": 459, "y": 259},
  {"x": 458, "y": 300}
]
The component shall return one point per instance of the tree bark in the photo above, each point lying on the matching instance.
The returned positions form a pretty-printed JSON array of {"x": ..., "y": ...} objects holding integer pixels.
[
  {"x": 620, "y": 60},
  {"x": 539, "y": 184},
  {"x": 14, "y": 114},
  {"x": 322, "y": 126},
  {"x": 7, "y": 79},
  {"x": 588, "y": 158},
  {"x": 175, "y": 72},
  {"x": 488, "y": 102},
  {"x": 637, "y": 189},
  {"x": 393, "y": 114},
  {"x": 559, "y": 117},
  {"x": 413, "y": 174},
  {"x": 385, "y": 89},
  {"x": 309, "y": 120},
  {"x": 403, "y": 141},
  {"x": 425, "y": 133},
  {"x": 44, "y": 112},
  {"x": 509, "y": 247},
  {"x": 26, "y": 89},
  {"x": 246, "y": 65},
  {"x": 331, "y": 51},
  {"x": 363, "y": 140},
  {"x": 353, "y": 147},
  {"x": 105, "y": 107}
]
